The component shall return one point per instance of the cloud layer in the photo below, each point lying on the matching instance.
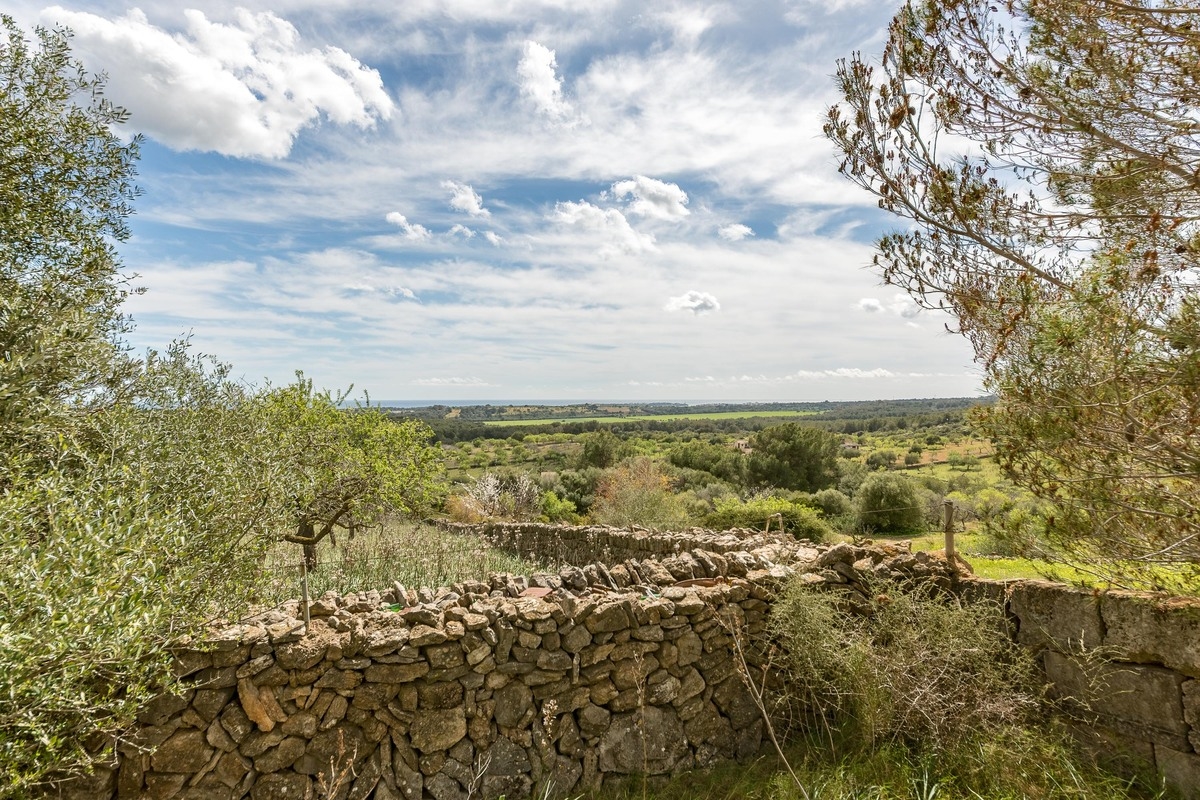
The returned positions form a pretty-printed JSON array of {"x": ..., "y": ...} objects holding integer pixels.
[
  {"x": 456, "y": 199},
  {"x": 242, "y": 88}
]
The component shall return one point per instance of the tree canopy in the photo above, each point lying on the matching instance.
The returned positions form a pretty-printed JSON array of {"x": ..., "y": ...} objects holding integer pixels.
[
  {"x": 793, "y": 456},
  {"x": 66, "y": 183},
  {"x": 137, "y": 495},
  {"x": 1044, "y": 156},
  {"x": 348, "y": 468}
]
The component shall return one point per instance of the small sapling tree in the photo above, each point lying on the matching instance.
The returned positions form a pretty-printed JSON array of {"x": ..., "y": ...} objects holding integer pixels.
[{"x": 348, "y": 467}]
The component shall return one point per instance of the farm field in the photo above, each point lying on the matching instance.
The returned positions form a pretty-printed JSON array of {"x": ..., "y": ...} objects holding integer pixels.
[{"x": 701, "y": 415}]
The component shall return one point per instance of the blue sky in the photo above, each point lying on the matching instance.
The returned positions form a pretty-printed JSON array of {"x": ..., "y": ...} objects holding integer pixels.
[{"x": 467, "y": 199}]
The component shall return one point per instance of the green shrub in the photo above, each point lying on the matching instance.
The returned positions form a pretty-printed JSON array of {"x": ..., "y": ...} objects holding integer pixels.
[
  {"x": 556, "y": 509},
  {"x": 888, "y": 503},
  {"x": 833, "y": 503},
  {"x": 925, "y": 697},
  {"x": 799, "y": 520},
  {"x": 919, "y": 669},
  {"x": 881, "y": 459},
  {"x": 579, "y": 486},
  {"x": 638, "y": 493},
  {"x": 717, "y": 460}
]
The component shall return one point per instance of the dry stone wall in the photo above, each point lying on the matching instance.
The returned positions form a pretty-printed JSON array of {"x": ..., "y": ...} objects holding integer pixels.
[
  {"x": 586, "y": 544},
  {"x": 596, "y": 672},
  {"x": 480, "y": 689},
  {"x": 1128, "y": 664}
]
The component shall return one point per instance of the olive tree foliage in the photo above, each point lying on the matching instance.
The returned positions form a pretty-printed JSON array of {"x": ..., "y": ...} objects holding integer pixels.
[
  {"x": 137, "y": 495},
  {"x": 141, "y": 523},
  {"x": 66, "y": 183},
  {"x": 348, "y": 467},
  {"x": 1044, "y": 154}
]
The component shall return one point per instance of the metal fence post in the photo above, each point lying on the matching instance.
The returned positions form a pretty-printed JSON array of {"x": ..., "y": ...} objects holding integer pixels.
[
  {"x": 948, "y": 528},
  {"x": 304, "y": 592}
]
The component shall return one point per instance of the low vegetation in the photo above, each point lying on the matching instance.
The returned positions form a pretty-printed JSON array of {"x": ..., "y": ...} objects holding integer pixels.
[
  {"x": 923, "y": 698},
  {"x": 397, "y": 551}
]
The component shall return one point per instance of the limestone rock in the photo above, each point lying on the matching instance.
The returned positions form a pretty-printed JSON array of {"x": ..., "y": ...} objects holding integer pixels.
[
  {"x": 438, "y": 729},
  {"x": 185, "y": 751},
  {"x": 282, "y": 786},
  {"x": 649, "y": 740},
  {"x": 513, "y": 702}
]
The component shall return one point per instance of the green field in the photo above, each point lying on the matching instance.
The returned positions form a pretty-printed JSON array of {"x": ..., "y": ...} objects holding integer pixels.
[{"x": 652, "y": 417}]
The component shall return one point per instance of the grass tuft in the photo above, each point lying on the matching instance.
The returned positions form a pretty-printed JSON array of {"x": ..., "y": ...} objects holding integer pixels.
[{"x": 414, "y": 554}]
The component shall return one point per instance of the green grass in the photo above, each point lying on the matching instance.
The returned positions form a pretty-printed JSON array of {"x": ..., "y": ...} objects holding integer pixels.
[
  {"x": 888, "y": 773},
  {"x": 970, "y": 546},
  {"x": 414, "y": 554},
  {"x": 653, "y": 417}
]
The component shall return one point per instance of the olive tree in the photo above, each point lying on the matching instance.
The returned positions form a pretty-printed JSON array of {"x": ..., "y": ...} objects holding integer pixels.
[
  {"x": 66, "y": 183},
  {"x": 348, "y": 467},
  {"x": 1043, "y": 155},
  {"x": 137, "y": 495}
]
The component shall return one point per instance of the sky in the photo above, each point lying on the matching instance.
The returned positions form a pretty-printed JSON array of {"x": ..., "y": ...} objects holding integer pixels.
[{"x": 465, "y": 200}]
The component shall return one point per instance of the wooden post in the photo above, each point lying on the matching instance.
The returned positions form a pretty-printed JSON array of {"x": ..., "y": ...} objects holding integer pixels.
[
  {"x": 304, "y": 591},
  {"x": 948, "y": 528}
]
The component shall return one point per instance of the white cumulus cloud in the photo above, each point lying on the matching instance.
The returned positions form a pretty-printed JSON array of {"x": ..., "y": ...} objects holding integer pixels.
[
  {"x": 849, "y": 372},
  {"x": 904, "y": 306},
  {"x": 384, "y": 291},
  {"x": 461, "y": 230},
  {"x": 494, "y": 238},
  {"x": 901, "y": 305},
  {"x": 411, "y": 230},
  {"x": 735, "y": 232},
  {"x": 244, "y": 88},
  {"x": 464, "y": 198},
  {"x": 696, "y": 302},
  {"x": 540, "y": 83},
  {"x": 653, "y": 198},
  {"x": 608, "y": 221}
]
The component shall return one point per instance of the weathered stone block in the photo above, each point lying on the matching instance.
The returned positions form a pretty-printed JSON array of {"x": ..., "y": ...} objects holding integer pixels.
[
  {"x": 185, "y": 751},
  {"x": 608, "y": 618},
  {"x": 649, "y": 741},
  {"x": 593, "y": 720},
  {"x": 1147, "y": 697},
  {"x": 342, "y": 680},
  {"x": 1181, "y": 770},
  {"x": 440, "y": 695},
  {"x": 442, "y": 787},
  {"x": 282, "y": 786},
  {"x": 340, "y": 748},
  {"x": 281, "y": 755},
  {"x": 1191, "y": 711},
  {"x": 211, "y": 702},
  {"x": 690, "y": 648},
  {"x": 1056, "y": 616},
  {"x": 306, "y": 653},
  {"x": 437, "y": 729},
  {"x": 259, "y": 704},
  {"x": 1150, "y": 628},
  {"x": 395, "y": 673},
  {"x": 513, "y": 703},
  {"x": 163, "y": 786},
  {"x": 161, "y": 709},
  {"x": 422, "y": 635}
]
